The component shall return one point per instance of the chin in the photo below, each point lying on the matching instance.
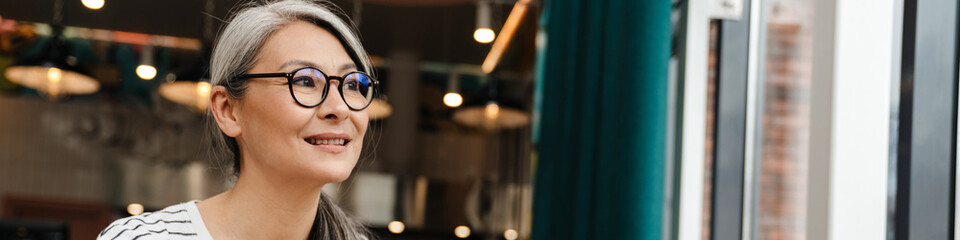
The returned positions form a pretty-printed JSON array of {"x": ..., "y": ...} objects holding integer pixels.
[
  {"x": 330, "y": 168},
  {"x": 332, "y": 173}
]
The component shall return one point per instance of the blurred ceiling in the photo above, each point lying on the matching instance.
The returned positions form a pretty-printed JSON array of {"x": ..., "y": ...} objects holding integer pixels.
[{"x": 439, "y": 30}]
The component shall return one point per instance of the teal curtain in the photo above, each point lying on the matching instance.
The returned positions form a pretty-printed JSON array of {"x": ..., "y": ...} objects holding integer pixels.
[{"x": 600, "y": 117}]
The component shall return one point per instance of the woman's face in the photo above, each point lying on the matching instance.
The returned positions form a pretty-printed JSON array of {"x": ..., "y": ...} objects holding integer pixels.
[{"x": 278, "y": 136}]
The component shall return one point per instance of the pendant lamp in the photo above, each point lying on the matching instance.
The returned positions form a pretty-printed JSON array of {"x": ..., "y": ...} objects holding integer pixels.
[
  {"x": 492, "y": 115},
  {"x": 54, "y": 73}
]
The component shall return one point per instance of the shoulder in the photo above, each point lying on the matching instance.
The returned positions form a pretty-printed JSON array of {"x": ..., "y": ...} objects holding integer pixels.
[{"x": 174, "y": 222}]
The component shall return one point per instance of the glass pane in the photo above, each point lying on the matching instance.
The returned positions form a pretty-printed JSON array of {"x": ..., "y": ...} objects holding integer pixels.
[{"x": 781, "y": 213}]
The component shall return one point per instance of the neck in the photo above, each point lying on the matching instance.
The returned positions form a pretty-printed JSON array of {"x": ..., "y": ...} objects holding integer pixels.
[{"x": 262, "y": 207}]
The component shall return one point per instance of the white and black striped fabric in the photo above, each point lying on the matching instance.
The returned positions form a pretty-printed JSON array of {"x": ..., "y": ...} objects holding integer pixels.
[{"x": 181, "y": 221}]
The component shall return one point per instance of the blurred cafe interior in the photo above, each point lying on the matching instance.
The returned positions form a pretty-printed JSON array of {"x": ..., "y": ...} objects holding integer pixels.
[
  {"x": 518, "y": 119},
  {"x": 123, "y": 132}
]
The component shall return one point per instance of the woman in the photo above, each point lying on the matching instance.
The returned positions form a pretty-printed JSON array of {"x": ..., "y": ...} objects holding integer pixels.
[{"x": 289, "y": 99}]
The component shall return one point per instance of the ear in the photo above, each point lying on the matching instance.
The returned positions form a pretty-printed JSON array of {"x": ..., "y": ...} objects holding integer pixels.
[{"x": 225, "y": 110}]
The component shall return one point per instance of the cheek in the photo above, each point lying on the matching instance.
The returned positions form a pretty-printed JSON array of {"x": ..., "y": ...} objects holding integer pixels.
[
  {"x": 274, "y": 118},
  {"x": 361, "y": 121}
]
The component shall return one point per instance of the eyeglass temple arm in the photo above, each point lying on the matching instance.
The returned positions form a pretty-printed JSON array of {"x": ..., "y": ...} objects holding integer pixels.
[{"x": 264, "y": 75}]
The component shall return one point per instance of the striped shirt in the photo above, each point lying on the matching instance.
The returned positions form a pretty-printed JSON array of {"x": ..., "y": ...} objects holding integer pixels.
[{"x": 181, "y": 221}]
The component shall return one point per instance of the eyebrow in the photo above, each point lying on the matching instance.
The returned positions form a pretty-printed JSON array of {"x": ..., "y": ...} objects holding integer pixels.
[{"x": 305, "y": 63}]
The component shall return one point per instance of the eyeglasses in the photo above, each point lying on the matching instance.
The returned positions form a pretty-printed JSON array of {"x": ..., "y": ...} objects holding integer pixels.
[{"x": 309, "y": 87}]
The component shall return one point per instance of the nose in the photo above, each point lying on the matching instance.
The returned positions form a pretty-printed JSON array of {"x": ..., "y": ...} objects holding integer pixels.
[{"x": 333, "y": 107}]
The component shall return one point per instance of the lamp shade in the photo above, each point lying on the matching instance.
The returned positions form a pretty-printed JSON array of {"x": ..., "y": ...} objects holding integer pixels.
[
  {"x": 491, "y": 117},
  {"x": 52, "y": 80},
  {"x": 196, "y": 95},
  {"x": 379, "y": 109}
]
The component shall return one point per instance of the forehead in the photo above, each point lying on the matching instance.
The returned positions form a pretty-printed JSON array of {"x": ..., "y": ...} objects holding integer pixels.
[{"x": 298, "y": 44}]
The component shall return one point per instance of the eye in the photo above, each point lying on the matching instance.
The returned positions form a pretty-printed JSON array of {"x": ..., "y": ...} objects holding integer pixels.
[
  {"x": 303, "y": 81},
  {"x": 357, "y": 82},
  {"x": 351, "y": 85}
]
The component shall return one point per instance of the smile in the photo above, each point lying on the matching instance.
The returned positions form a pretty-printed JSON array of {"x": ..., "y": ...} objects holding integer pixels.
[{"x": 336, "y": 142}]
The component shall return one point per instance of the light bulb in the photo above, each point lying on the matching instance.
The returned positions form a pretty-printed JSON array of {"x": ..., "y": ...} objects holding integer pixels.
[
  {"x": 92, "y": 4},
  {"x": 54, "y": 75},
  {"x": 135, "y": 209},
  {"x": 203, "y": 89},
  {"x": 203, "y": 95},
  {"x": 461, "y": 231},
  {"x": 146, "y": 72},
  {"x": 396, "y": 227},
  {"x": 452, "y": 99},
  {"x": 484, "y": 35},
  {"x": 492, "y": 110},
  {"x": 510, "y": 234}
]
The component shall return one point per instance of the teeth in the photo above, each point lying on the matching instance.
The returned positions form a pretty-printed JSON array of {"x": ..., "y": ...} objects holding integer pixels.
[{"x": 315, "y": 141}]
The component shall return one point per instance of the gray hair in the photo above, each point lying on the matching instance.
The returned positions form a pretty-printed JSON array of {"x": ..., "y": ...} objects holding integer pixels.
[{"x": 235, "y": 52}]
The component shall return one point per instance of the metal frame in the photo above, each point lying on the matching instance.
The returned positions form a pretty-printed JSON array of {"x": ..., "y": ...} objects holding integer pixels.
[
  {"x": 926, "y": 161},
  {"x": 841, "y": 187},
  {"x": 737, "y": 121},
  {"x": 895, "y": 69},
  {"x": 956, "y": 170},
  {"x": 850, "y": 114},
  {"x": 730, "y": 131},
  {"x": 754, "y": 123},
  {"x": 692, "y": 92}
]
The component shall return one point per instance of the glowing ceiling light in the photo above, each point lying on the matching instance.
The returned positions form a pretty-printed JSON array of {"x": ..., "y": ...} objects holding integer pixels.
[
  {"x": 203, "y": 89},
  {"x": 492, "y": 110},
  {"x": 510, "y": 234},
  {"x": 146, "y": 72},
  {"x": 461, "y": 231},
  {"x": 484, "y": 35},
  {"x": 135, "y": 209},
  {"x": 92, "y": 4},
  {"x": 203, "y": 95},
  {"x": 396, "y": 227},
  {"x": 452, "y": 99},
  {"x": 54, "y": 75}
]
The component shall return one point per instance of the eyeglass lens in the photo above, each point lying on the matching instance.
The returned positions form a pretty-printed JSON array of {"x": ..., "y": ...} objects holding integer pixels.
[{"x": 308, "y": 85}]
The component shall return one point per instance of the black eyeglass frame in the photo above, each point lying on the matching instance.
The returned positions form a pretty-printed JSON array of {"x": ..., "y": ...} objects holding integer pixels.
[{"x": 326, "y": 85}]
